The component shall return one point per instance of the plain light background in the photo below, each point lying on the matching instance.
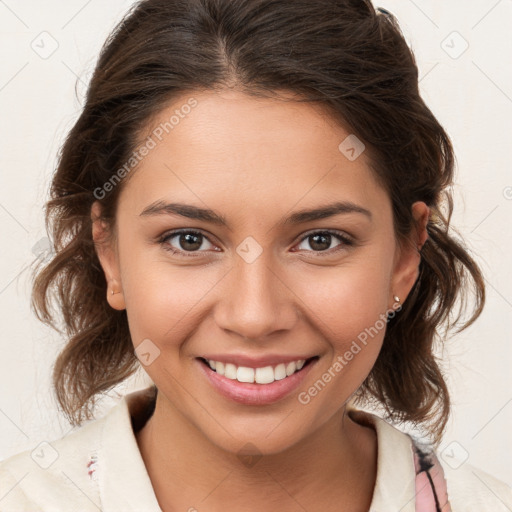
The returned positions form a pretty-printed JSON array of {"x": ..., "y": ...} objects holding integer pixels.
[{"x": 463, "y": 49}]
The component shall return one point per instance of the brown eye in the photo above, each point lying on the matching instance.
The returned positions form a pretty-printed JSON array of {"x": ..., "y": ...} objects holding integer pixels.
[
  {"x": 185, "y": 241},
  {"x": 190, "y": 241},
  {"x": 320, "y": 241}
]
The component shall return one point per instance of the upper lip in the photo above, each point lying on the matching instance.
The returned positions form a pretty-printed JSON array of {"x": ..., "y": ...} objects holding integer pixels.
[{"x": 256, "y": 361}]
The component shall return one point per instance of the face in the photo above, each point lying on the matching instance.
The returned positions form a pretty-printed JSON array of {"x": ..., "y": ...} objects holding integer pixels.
[{"x": 251, "y": 282}]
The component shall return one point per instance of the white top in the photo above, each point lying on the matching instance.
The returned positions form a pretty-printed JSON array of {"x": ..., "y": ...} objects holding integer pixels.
[{"x": 99, "y": 468}]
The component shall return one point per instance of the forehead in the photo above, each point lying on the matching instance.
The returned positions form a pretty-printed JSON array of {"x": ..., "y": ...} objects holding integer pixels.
[{"x": 231, "y": 149}]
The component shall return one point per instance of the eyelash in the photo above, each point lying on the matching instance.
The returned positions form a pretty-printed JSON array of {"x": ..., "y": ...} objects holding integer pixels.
[{"x": 342, "y": 237}]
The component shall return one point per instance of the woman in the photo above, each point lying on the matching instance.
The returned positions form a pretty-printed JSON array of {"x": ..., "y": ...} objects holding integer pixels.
[{"x": 251, "y": 206}]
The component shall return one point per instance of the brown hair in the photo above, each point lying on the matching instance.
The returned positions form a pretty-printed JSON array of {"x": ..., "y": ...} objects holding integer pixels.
[{"x": 342, "y": 54}]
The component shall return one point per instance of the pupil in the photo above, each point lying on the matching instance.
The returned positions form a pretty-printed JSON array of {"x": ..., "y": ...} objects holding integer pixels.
[
  {"x": 326, "y": 239},
  {"x": 188, "y": 238}
]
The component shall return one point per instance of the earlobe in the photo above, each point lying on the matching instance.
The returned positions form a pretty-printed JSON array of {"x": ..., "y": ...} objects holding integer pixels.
[
  {"x": 108, "y": 258},
  {"x": 406, "y": 270},
  {"x": 115, "y": 298}
]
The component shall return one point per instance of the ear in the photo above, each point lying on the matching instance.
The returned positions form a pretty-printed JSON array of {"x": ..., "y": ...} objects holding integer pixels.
[
  {"x": 107, "y": 254},
  {"x": 407, "y": 257}
]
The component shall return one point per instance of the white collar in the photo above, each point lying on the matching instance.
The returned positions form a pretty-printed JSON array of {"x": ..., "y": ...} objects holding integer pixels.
[
  {"x": 122, "y": 463},
  {"x": 123, "y": 481},
  {"x": 395, "y": 486}
]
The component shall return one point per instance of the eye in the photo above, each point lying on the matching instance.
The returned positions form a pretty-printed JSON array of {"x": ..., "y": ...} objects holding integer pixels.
[
  {"x": 187, "y": 241},
  {"x": 320, "y": 241}
]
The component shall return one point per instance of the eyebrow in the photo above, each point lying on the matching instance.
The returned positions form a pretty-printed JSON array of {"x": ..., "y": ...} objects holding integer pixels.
[{"x": 302, "y": 216}]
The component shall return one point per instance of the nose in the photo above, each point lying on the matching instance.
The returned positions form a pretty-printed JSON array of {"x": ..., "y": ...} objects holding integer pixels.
[{"x": 257, "y": 300}]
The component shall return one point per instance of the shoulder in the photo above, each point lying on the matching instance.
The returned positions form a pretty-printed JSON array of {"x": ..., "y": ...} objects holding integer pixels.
[
  {"x": 470, "y": 488},
  {"x": 68, "y": 473},
  {"x": 408, "y": 469},
  {"x": 455, "y": 485},
  {"x": 53, "y": 472}
]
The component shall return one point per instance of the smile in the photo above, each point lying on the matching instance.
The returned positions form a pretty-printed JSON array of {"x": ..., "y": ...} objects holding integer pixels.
[
  {"x": 264, "y": 375},
  {"x": 255, "y": 386}
]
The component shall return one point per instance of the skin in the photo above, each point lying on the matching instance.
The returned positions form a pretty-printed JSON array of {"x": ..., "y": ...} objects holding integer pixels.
[{"x": 256, "y": 161}]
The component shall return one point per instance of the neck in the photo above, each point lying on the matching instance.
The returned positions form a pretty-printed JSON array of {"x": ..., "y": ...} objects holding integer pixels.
[{"x": 336, "y": 465}]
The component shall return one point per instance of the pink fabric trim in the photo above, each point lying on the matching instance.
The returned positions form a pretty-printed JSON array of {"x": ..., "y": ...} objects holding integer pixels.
[
  {"x": 92, "y": 465},
  {"x": 425, "y": 499}
]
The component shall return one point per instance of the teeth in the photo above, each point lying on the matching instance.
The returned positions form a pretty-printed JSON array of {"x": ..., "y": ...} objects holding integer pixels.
[
  {"x": 280, "y": 371},
  {"x": 290, "y": 368},
  {"x": 265, "y": 375},
  {"x": 242, "y": 374},
  {"x": 230, "y": 371}
]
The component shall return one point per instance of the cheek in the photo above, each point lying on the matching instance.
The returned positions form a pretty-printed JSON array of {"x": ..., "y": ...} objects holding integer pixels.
[
  {"x": 162, "y": 298},
  {"x": 348, "y": 307},
  {"x": 346, "y": 299},
  {"x": 162, "y": 301},
  {"x": 353, "y": 329}
]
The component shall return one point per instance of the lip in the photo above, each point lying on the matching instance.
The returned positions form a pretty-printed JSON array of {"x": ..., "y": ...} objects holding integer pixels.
[
  {"x": 255, "y": 394},
  {"x": 255, "y": 362}
]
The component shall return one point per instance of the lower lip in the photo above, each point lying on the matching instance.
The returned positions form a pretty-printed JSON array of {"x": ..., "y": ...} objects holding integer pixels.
[{"x": 255, "y": 394}]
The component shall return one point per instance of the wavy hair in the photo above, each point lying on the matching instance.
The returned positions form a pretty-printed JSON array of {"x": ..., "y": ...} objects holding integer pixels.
[{"x": 343, "y": 54}]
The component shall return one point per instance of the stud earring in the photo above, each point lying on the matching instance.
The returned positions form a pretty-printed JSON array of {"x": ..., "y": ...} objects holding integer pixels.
[{"x": 394, "y": 308}]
